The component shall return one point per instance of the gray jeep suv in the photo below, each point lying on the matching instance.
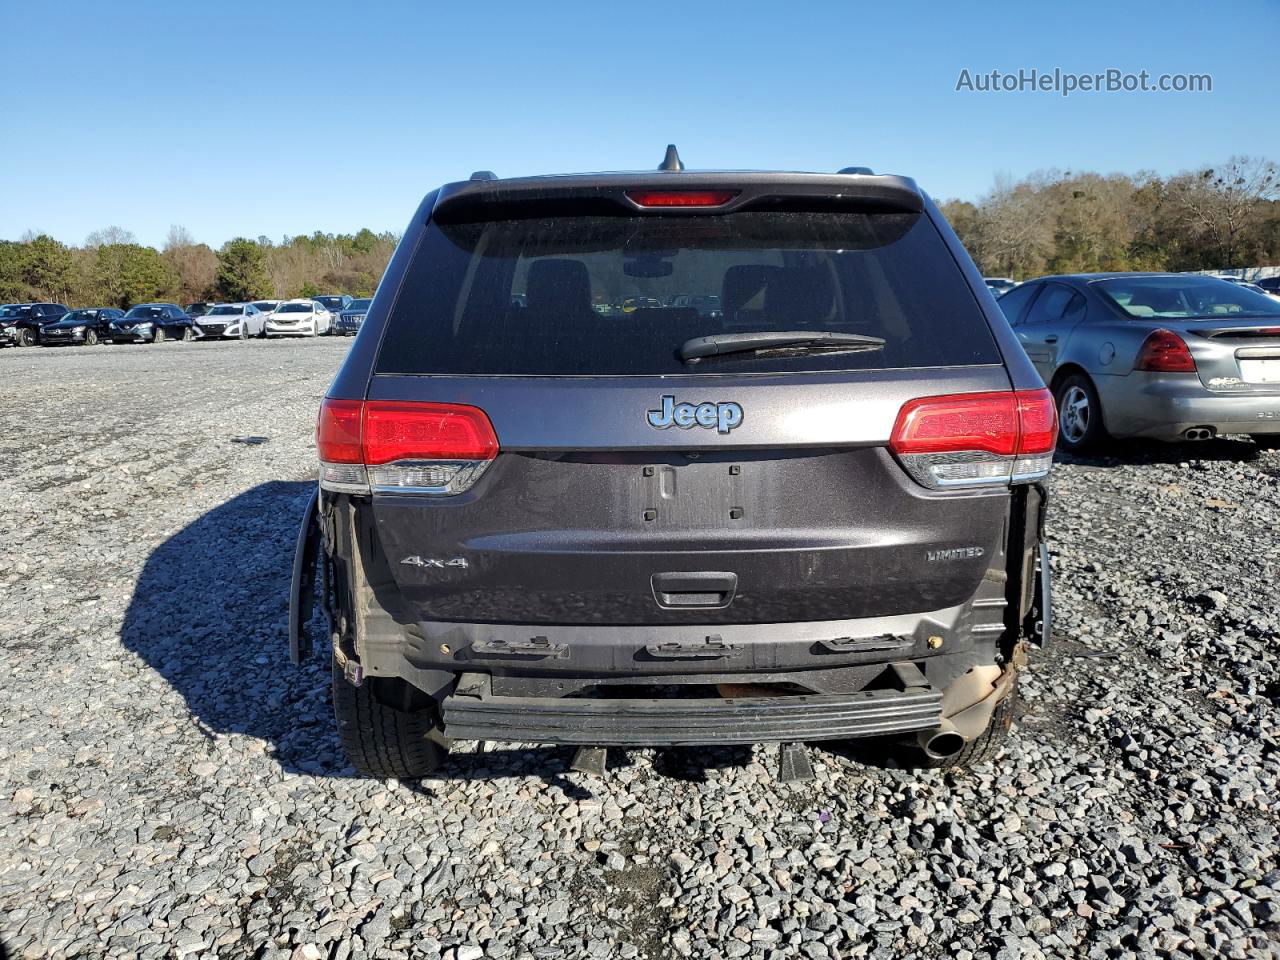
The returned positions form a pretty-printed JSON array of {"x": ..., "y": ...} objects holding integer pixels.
[{"x": 814, "y": 515}]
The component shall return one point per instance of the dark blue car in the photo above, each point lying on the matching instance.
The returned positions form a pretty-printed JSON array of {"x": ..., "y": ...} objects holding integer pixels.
[
  {"x": 350, "y": 319},
  {"x": 153, "y": 323},
  {"x": 88, "y": 325}
]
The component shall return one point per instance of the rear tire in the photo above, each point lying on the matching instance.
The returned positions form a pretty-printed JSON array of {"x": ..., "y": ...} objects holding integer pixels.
[
  {"x": 381, "y": 741},
  {"x": 159, "y": 336},
  {"x": 26, "y": 338},
  {"x": 985, "y": 745},
  {"x": 188, "y": 335},
  {"x": 1080, "y": 425}
]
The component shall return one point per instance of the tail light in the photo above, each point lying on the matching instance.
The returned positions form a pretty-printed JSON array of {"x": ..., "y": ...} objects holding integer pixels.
[
  {"x": 1165, "y": 352},
  {"x": 681, "y": 198},
  {"x": 972, "y": 439},
  {"x": 382, "y": 446}
]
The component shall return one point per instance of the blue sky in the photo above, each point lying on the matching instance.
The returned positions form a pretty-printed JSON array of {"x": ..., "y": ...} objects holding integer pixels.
[{"x": 283, "y": 117}]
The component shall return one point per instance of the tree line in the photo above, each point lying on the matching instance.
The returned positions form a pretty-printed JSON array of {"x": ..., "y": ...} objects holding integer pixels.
[
  {"x": 1213, "y": 218},
  {"x": 112, "y": 269}
]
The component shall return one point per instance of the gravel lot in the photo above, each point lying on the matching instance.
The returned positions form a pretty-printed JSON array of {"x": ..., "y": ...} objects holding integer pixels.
[{"x": 170, "y": 786}]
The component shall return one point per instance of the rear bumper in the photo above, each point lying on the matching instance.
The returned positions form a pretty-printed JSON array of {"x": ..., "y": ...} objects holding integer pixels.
[
  {"x": 474, "y": 713},
  {"x": 1162, "y": 406}
]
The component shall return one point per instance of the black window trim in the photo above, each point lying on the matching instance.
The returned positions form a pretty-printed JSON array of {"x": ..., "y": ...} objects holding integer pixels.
[
  {"x": 1045, "y": 286},
  {"x": 1035, "y": 287}
]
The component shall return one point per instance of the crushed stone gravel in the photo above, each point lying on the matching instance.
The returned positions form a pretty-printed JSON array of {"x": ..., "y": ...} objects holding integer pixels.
[{"x": 170, "y": 786}]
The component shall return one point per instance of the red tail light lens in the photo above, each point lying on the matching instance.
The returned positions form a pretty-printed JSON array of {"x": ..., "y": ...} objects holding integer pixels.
[
  {"x": 681, "y": 198},
  {"x": 338, "y": 431},
  {"x": 1165, "y": 352},
  {"x": 379, "y": 445},
  {"x": 977, "y": 438},
  {"x": 1038, "y": 421},
  {"x": 965, "y": 421},
  {"x": 426, "y": 431}
]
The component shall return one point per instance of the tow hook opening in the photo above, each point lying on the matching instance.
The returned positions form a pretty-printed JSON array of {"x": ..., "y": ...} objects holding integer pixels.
[
  {"x": 942, "y": 742},
  {"x": 1199, "y": 433}
]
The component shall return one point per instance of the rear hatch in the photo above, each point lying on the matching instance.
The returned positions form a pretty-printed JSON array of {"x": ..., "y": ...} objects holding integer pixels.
[{"x": 637, "y": 485}]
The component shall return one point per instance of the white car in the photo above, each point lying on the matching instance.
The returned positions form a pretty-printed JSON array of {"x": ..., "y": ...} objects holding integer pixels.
[
  {"x": 232, "y": 320},
  {"x": 266, "y": 306},
  {"x": 299, "y": 318},
  {"x": 999, "y": 285}
]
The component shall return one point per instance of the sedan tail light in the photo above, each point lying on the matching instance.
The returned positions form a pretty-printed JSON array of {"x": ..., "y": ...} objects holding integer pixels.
[
  {"x": 1165, "y": 352},
  {"x": 381, "y": 446},
  {"x": 973, "y": 439}
]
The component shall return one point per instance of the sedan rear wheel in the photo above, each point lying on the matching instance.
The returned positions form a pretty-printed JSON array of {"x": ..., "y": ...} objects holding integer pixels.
[
  {"x": 159, "y": 336},
  {"x": 188, "y": 334},
  {"x": 1079, "y": 414},
  {"x": 25, "y": 337}
]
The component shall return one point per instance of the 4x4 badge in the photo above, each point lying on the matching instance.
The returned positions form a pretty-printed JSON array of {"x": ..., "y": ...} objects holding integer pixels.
[{"x": 723, "y": 416}]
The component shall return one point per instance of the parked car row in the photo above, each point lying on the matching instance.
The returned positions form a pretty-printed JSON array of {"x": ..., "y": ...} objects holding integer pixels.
[{"x": 53, "y": 324}]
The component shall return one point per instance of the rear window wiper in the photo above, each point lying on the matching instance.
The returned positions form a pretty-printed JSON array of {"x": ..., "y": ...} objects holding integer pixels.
[{"x": 790, "y": 341}]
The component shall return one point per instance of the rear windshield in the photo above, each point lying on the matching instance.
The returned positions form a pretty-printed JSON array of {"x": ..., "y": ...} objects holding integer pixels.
[
  {"x": 619, "y": 295},
  {"x": 1186, "y": 298}
]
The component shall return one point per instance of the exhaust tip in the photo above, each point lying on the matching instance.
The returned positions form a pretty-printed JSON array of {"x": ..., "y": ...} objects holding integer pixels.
[
  {"x": 1199, "y": 433},
  {"x": 941, "y": 743}
]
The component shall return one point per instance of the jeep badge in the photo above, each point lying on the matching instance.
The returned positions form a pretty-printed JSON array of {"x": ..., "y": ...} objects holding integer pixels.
[{"x": 723, "y": 416}]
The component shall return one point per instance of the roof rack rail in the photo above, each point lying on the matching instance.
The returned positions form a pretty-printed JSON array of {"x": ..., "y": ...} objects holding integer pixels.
[
  {"x": 866, "y": 171},
  {"x": 484, "y": 175},
  {"x": 672, "y": 160}
]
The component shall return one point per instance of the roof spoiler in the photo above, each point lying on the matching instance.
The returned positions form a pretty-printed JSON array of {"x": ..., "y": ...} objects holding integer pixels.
[{"x": 608, "y": 193}]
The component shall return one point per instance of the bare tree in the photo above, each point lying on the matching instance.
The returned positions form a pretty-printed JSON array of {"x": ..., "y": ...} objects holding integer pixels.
[
  {"x": 108, "y": 236},
  {"x": 1223, "y": 203},
  {"x": 178, "y": 238}
]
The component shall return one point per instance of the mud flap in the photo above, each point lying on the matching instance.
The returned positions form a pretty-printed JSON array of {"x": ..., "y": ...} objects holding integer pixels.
[
  {"x": 303, "y": 587},
  {"x": 1042, "y": 614}
]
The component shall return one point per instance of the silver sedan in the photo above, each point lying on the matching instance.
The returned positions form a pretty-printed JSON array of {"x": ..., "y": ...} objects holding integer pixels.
[{"x": 1159, "y": 355}]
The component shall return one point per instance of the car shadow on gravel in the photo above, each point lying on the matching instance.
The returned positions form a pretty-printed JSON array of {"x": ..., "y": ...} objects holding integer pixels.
[
  {"x": 209, "y": 614},
  {"x": 1118, "y": 453}
]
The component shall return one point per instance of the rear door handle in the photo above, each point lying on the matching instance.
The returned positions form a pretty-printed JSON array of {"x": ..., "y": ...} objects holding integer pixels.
[{"x": 699, "y": 588}]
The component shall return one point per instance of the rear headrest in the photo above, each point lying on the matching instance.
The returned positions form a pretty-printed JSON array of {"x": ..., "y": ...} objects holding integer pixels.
[
  {"x": 562, "y": 285},
  {"x": 742, "y": 285},
  {"x": 798, "y": 296},
  {"x": 1161, "y": 301}
]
